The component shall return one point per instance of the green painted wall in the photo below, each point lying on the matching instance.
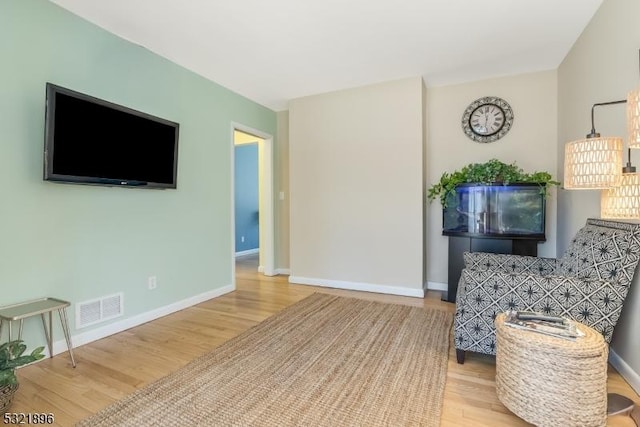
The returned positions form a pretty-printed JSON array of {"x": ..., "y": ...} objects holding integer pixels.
[{"x": 82, "y": 242}]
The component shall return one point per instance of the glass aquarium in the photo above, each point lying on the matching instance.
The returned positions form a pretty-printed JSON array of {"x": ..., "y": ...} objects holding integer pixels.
[{"x": 514, "y": 210}]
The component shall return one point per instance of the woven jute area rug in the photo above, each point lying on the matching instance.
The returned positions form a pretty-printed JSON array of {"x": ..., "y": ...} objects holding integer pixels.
[{"x": 324, "y": 361}]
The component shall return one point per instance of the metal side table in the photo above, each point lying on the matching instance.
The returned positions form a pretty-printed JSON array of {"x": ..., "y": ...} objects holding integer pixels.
[{"x": 41, "y": 306}]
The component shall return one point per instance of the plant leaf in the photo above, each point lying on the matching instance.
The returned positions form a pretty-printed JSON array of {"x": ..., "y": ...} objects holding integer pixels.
[
  {"x": 493, "y": 171},
  {"x": 8, "y": 377}
]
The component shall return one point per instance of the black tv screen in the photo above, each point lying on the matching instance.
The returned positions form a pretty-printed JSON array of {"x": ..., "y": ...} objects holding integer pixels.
[{"x": 92, "y": 141}]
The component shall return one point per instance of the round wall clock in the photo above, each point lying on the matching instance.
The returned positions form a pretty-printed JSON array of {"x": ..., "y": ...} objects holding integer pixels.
[{"x": 487, "y": 119}]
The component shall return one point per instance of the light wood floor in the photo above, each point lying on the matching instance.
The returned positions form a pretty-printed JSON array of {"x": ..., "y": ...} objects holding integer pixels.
[{"x": 113, "y": 367}]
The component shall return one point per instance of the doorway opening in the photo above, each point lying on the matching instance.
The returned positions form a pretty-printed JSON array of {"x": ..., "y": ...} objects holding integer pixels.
[{"x": 253, "y": 229}]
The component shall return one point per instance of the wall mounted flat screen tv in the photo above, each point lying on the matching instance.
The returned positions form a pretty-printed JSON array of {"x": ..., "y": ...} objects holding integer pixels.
[{"x": 92, "y": 141}]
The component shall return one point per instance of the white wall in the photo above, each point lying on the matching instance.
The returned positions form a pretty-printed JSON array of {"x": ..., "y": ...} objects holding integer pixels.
[
  {"x": 602, "y": 66},
  {"x": 282, "y": 187},
  {"x": 356, "y": 188},
  {"x": 531, "y": 144}
]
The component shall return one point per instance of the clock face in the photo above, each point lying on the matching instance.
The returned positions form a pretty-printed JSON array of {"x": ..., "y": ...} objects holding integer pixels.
[{"x": 487, "y": 119}]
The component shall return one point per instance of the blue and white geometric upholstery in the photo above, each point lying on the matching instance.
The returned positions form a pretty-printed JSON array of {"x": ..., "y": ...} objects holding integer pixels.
[{"x": 588, "y": 284}]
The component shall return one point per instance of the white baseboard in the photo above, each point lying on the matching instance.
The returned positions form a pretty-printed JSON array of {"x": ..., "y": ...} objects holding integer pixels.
[
  {"x": 625, "y": 370},
  {"x": 357, "y": 286},
  {"x": 248, "y": 252},
  {"x": 437, "y": 286},
  {"x": 276, "y": 271},
  {"x": 82, "y": 338}
]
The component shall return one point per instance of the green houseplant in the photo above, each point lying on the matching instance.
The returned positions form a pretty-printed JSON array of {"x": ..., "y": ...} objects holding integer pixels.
[
  {"x": 11, "y": 356},
  {"x": 491, "y": 172}
]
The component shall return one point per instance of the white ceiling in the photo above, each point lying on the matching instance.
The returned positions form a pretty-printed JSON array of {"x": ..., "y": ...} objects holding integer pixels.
[{"x": 272, "y": 51}]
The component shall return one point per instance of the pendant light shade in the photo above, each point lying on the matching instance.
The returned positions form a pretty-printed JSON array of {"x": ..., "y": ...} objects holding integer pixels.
[
  {"x": 596, "y": 163},
  {"x": 593, "y": 163},
  {"x": 633, "y": 118},
  {"x": 622, "y": 202}
]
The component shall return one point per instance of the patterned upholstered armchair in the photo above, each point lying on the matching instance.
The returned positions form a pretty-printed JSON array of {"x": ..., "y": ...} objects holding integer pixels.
[{"x": 588, "y": 284}]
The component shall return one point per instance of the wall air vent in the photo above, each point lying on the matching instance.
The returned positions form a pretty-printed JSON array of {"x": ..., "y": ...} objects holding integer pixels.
[{"x": 99, "y": 310}]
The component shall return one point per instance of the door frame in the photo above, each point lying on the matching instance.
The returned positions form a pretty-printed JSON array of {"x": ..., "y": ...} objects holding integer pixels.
[{"x": 266, "y": 222}]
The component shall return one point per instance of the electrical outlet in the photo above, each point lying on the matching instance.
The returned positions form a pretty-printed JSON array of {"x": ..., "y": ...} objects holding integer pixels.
[
  {"x": 152, "y": 282},
  {"x": 242, "y": 239}
]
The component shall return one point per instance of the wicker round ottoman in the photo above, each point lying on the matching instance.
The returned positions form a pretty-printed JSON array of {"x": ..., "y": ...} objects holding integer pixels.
[{"x": 551, "y": 381}]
